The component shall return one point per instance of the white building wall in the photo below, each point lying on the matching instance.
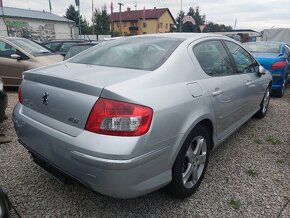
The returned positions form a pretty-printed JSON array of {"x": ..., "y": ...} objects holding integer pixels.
[
  {"x": 3, "y": 29},
  {"x": 38, "y": 30}
]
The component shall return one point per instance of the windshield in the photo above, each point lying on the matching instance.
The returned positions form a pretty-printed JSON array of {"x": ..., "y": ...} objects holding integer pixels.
[
  {"x": 77, "y": 49},
  {"x": 30, "y": 46},
  {"x": 144, "y": 53},
  {"x": 263, "y": 47}
]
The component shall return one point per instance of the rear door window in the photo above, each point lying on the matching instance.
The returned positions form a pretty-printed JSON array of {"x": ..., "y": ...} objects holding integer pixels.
[{"x": 213, "y": 58}]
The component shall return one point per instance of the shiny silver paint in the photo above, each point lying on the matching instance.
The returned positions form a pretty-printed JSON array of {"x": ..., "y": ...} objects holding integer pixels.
[{"x": 179, "y": 92}]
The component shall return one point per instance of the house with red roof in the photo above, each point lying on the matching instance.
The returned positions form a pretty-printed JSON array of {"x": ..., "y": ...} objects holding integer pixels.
[{"x": 137, "y": 22}]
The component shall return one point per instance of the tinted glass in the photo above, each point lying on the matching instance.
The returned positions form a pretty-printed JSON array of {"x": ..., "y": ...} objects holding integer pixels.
[
  {"x": 76, "y": 49},
  {"x": 213, "y": 58},
  {"x": 244, "y": 61},
  {"x": 29, "y": 46},
  {"x": 6, "y": 50},
  {"x": 53, "y": 46},
  {"x": 144, "y": 53},
  {"x": 66, "y": 46},
  {"x": 263, "y": 47}
]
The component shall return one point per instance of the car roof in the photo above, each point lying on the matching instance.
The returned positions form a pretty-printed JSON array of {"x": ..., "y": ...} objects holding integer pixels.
[
  {"x": 86, "y": 43},
  {"x": 64, "y": 40},
  {"x": 181, "y": 35}
]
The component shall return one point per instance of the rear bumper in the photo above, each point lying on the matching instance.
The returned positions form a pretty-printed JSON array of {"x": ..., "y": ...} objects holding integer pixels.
[
  {"x": 278, "y": 79},
  {"x": 3, "y": 105},
  {"x": 117, "y": 176}
]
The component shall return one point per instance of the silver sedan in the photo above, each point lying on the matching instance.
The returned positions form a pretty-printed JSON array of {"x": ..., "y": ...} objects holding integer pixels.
[{"x": 132, "y": 115}]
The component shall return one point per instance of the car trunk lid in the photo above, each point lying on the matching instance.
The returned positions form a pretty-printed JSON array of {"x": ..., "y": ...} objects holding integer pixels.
[{"x": 62, "y": 96}]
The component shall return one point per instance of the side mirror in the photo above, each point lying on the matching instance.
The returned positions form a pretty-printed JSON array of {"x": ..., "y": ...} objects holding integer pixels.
[
  {"x": 261, "y": 71},
  {"x": 15, "y": 56}
]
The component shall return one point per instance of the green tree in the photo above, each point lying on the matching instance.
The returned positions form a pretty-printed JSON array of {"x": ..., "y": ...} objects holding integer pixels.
[
  {"x": 72, "y": 14},
  {"x": 178, "y": 19},
  {"x": 199, "y": 20},
  {"x": 101, "y": 21},
  {"x": 213, "y": 27}
]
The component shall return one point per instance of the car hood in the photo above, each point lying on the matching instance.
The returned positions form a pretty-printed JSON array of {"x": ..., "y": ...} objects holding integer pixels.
[{"x": 49, "y": 59}]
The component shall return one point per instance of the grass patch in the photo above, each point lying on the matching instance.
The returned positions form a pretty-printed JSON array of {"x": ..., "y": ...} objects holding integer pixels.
[
  {"x": 252, "y": 173},
  {"x": 235, "y": 203},
  {"x": 271, "y": 140},
  {"x": 279, "y": 161}
]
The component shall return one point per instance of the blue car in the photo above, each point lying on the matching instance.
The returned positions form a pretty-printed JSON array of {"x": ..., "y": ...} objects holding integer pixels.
[{"x": 275, "y": 57}]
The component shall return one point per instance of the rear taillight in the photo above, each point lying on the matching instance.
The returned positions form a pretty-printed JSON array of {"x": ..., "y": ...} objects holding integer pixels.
[
  {"x": 110, "y": 117},
  {"x": 278, "y": 65},
  {"x": 20, "y": 99}
]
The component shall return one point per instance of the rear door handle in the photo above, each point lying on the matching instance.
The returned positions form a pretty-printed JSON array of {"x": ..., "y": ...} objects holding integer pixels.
[{"x": 217, "y": 92}]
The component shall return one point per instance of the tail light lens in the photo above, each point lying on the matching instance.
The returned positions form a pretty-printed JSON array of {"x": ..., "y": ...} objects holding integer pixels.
[
  {"x": 278, "y": 65},
  {"x": 110, "y": 117},
  {"x": 20, "y": 99}
]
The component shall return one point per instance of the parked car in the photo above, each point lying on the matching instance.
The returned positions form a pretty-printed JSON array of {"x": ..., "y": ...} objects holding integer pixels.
[
  {"x": 132, "y": 115},
  {"x": 61, "y": 46},
  {"x": 3, "y": 102},
  {"x": 275, "y": 57},
  {"x": 20, "y": 54},
  {"x": 78, "y": 48}
]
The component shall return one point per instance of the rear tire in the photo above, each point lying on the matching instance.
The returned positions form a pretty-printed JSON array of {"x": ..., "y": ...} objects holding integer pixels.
[
  {"x": 279, "y": 93},
  {"x": 191, "y": 163},
  {"x": 264, "y": 104}
]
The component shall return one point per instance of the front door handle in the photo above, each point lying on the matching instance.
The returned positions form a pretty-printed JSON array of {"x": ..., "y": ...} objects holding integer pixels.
[{"x": 217, "y": 92}]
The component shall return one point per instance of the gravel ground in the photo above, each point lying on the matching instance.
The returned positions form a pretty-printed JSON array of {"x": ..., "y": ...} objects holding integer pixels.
[{"x": 250, "y": 170}]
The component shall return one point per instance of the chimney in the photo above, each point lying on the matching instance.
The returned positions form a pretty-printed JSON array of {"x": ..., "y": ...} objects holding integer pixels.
[
  {"x": 128, "y": 9},
  {"x": 154, "y": 8}
]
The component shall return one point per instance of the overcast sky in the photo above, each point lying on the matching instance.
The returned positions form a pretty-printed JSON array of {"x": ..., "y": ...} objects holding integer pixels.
[{"x": 250, "y": 14}]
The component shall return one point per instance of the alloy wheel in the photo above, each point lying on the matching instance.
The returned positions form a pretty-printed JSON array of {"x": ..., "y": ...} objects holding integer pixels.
[
  {"x": 266, "y": 101},
  {"x": 194, "y": 162}
]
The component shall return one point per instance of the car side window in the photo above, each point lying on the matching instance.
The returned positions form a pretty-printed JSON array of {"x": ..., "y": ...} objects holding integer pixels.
[
  {"x": 6, "y": 50},
  {"x": 245, "y": 63},
  {"x": 213, "y": 58},
  {"x": 66, "y": 46},
  {"x": 52, "y": 46}
]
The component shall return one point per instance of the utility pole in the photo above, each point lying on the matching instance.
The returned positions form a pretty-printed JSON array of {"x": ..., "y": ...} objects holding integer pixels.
[
  {"x": 181, "y": 20},
  {"x": 120, "y": 23},
  {"x": 93, "y": 17},
  {"x": 78, "y": 5}
]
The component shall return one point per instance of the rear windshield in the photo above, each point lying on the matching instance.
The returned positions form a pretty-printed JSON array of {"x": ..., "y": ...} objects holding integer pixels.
[
  {"x": 263, "y": 47},
  {"x": 144, "y": 53}
]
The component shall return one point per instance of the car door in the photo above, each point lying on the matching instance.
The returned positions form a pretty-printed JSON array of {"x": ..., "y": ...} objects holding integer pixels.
[
  {"x": 10, "y": 69},
  {"x": 247, "y": 67},
  {"x": 224, "y": 87}
]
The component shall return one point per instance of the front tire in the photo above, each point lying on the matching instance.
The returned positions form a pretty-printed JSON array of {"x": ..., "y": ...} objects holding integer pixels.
[
  {"x": 191, "y": 163},
  {"x": 264, "y": 104}
]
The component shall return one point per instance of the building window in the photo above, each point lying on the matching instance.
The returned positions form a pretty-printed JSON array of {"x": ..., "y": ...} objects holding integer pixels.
[
  {"x": 166, "y": 26},
  {"x": 144, "y": 25},
  {"x": 161, "y": 25},
  {"x": 144, "y": 33}
]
